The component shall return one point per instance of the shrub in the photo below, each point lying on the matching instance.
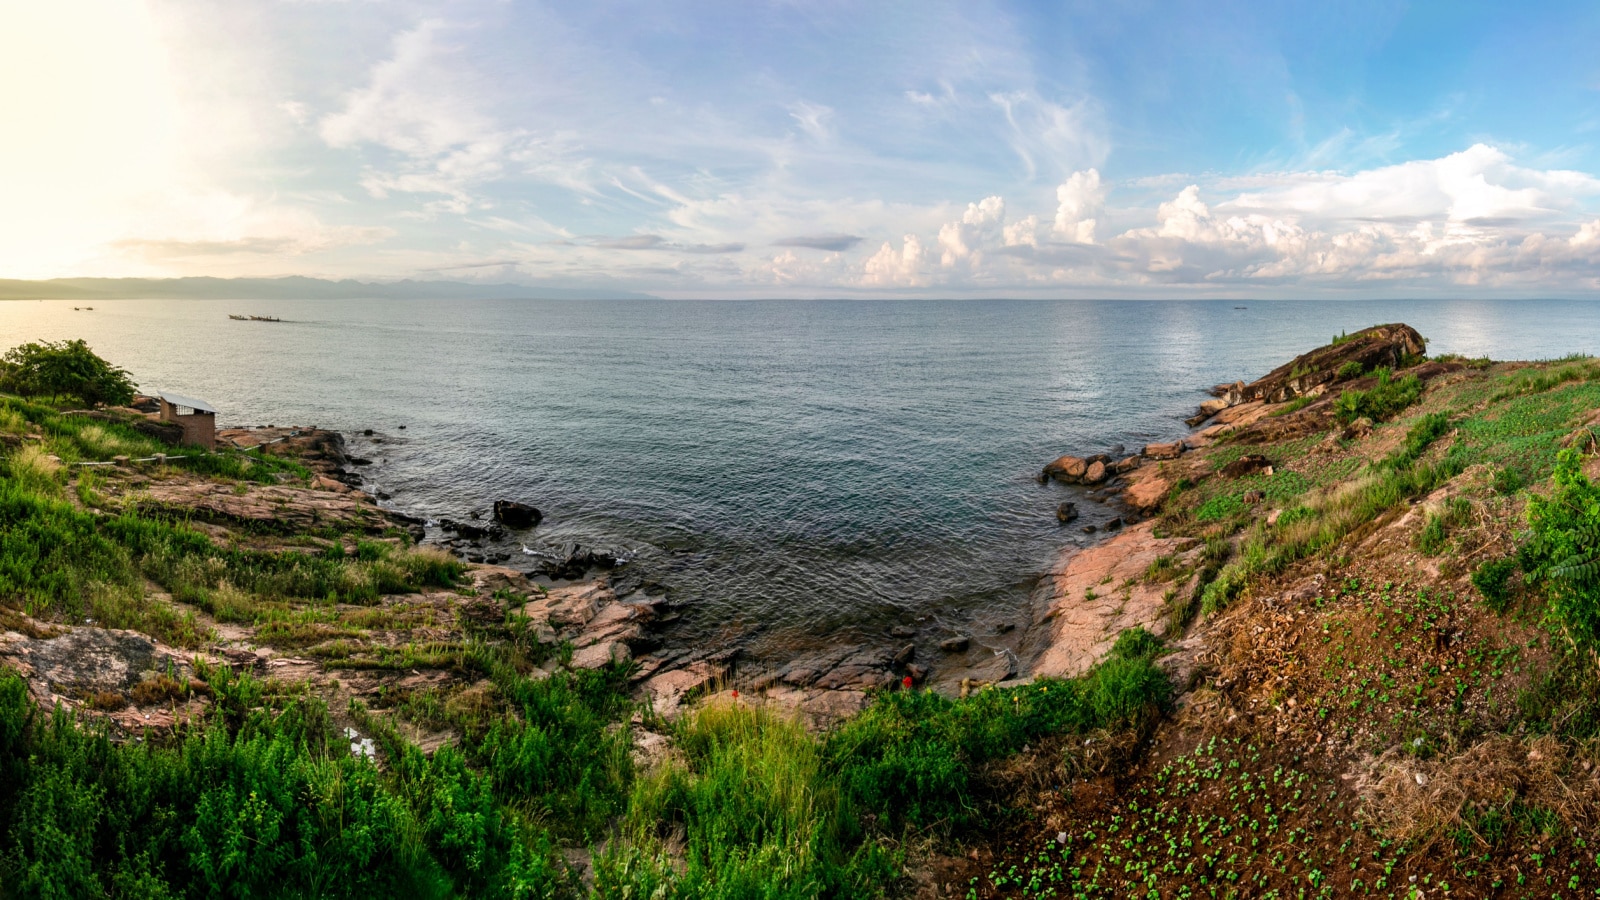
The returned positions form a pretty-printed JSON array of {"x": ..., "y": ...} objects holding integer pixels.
[
  {"x": 1381, "y": 402},
  {"x": 1493, "y": 581},
  {"x": 1563, "y": 551},
  {"x": 64, "y": 369},
  {"x": 1351, "y": 369},
  {"x": 910, "y": 757}
]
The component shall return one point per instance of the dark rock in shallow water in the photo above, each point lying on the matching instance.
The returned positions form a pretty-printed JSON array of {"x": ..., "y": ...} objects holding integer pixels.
[
  {"x": 1066, "y": 512},
  {"x": 472, "y": 532},
  {"x": 954, "y": 645},
  {"x": 1114, "y": 524},
  {"x": 903, "y": 631},
  {"x": 575, "y": 561},
  {"x": 516, "y": 515},
  {"x": 906, "y": 654},
  {"x": 626, "y": 582},
  {"x": 1088, "y": 529}
]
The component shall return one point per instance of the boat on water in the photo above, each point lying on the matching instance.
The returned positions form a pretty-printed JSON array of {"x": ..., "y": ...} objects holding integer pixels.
[
  {"x": 239, "y": 318},
  {"x": 254, "y": 318}
]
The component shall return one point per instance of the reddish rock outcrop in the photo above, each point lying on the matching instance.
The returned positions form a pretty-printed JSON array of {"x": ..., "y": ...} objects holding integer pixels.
[{"x": 1097, "y": 593}]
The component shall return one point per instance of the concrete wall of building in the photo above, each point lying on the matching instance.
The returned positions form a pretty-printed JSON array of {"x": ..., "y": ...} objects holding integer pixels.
[{"x": 199, "y": 428}]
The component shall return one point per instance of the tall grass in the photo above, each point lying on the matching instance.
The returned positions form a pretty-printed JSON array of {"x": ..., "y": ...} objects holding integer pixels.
[{"x": 273, "y": 806}]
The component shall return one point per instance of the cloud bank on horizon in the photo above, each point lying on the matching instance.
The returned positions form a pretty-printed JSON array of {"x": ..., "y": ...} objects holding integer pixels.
[{"x": 811, "y": 148}]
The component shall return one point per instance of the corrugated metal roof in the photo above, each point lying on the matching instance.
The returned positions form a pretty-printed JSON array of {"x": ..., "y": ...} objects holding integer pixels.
[{"x": 181, "y": 400}]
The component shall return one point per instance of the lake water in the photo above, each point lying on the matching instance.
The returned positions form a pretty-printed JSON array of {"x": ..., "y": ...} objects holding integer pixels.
[{"x": 787, "y": 470}]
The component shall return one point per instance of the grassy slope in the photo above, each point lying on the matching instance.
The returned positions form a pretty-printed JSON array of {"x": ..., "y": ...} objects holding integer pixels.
[{"x": 1370, "y": 723}]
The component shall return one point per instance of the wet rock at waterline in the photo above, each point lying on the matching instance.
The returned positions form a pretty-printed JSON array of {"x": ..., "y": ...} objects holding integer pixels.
[{"x": 516, "y": 515}]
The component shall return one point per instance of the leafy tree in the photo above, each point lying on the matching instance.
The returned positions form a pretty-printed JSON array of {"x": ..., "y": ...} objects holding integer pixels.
[{"x": 64, "y": 369}]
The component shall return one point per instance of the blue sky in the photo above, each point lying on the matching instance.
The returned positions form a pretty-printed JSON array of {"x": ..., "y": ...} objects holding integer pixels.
[{"x": 813, "y": 148}]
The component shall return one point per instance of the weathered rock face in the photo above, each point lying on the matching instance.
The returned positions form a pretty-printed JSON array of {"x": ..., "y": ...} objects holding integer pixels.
[
  {"x": 601, "y": 628},
  {"x": 1098, "y": 592},
  {"x": 270, "y": 508},
  {"x": 1163, "y": 451},
  {"x": 516, "y": 515}
]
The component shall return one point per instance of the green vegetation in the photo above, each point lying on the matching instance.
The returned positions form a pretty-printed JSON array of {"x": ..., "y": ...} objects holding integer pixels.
[
  {"x": 1380, "y": 403},
  {"x": 1563, "y": 551},
  {"x": 911, "y": 757},
  {"x": 1351, "y": 369},
  {"x": 66, "y": 369}
]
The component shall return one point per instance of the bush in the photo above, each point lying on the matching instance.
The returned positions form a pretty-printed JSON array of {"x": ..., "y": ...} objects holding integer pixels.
[
  {"x": 1493, "y": 581},
  {"x": 910, "y": 757},
  {"x": 1563, "y": 551},
  {"x": 1351, "y": 369},
  {"x": 64, "y": 369},
  {"x": 1380, "y": 403}
]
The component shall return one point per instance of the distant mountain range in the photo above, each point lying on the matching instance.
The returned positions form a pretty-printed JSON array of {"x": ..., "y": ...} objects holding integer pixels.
[{"x": 293, "y": 287}]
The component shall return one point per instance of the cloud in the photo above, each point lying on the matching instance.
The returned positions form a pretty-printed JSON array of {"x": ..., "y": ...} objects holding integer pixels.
[
  {"x": 814, "y": 119},
  {"x": 1079, "y": 201},
  {"x": 835, "y": 242},
  {"x": 634, "y": 242},
  {"x": 896, "y": 268},
  {"x": 657, "y": 242},
  {"x": 964, "y": 239}
]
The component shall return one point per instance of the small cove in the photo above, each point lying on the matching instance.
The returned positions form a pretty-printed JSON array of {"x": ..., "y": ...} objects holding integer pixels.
[{"x": 791, "y": 472}]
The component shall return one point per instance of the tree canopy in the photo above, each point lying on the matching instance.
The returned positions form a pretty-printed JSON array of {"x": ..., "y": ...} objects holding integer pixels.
[{"x": 64, "y": 369}]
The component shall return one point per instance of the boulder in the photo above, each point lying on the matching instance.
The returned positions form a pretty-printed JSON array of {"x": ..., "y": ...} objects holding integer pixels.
[
  {"x": 1066, "y": 512},
  {"x": 1126, "y": 465},
  {"x": 1067, "y": 469},
  {"x": 954, "y": 645},
  {"x": 1251, "y": 498},
  {"x": 516, "y": 515},
  {"x": 1163, "y": 451},
  {"x": 1247, "y": 465},
  {"x": 1095, "y": 474},
  {"x": 906, "y": 654}
]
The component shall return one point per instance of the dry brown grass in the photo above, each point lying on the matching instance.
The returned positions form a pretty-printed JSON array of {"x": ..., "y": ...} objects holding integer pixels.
[{"x": 1425, "y": 799}]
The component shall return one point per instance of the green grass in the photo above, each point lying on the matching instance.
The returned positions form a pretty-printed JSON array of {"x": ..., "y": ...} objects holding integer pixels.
[{"x": 1381, "y": 402}]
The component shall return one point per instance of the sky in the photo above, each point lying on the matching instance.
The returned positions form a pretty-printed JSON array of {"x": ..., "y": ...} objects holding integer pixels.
[{"x": 809, "y": 147}]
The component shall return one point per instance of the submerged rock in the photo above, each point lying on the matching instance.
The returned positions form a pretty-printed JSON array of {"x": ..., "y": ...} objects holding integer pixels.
[{"x": 1066, "y": 512}]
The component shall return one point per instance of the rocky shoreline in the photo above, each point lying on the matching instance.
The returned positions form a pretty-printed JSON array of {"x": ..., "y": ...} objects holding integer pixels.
[{"x": 607, "y": 611}]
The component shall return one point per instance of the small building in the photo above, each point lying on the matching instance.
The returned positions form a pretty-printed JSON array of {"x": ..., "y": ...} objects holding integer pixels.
[{"x": 197, "y": 417}]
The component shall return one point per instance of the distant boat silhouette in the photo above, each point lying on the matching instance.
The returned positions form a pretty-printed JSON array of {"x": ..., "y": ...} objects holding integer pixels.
[
  {"x": 254, "y": 318},
  {"x": 1241, "y": 307}
]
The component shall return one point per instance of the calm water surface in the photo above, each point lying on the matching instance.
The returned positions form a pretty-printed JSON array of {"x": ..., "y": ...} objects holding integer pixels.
[{"x": 791, "y": 469}]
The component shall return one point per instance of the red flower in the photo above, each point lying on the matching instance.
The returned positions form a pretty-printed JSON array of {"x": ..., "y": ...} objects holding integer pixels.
[
  {"x": 906, "y": 681},
  {"x": 735, "y": 693}
]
